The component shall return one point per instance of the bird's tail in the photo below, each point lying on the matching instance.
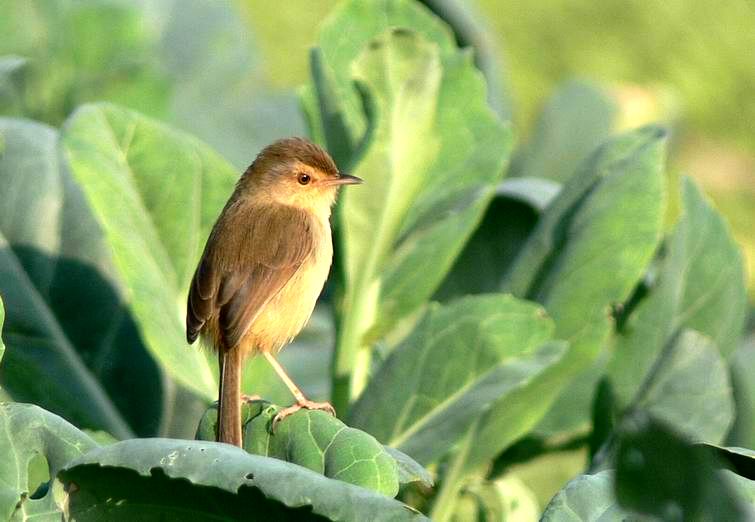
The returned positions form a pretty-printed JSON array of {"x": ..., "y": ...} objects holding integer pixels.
[{"x": 229, "y": 397}]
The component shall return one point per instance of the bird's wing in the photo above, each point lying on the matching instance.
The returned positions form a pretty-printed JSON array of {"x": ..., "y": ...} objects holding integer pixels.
[{"x": 262, "y": 250}]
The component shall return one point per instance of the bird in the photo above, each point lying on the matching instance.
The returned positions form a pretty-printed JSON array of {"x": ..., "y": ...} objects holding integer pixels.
[{"x": 263, "y": 268}]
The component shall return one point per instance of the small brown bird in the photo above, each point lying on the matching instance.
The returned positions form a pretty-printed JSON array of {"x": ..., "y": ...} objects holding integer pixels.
[{"x": 263, "y": 268}]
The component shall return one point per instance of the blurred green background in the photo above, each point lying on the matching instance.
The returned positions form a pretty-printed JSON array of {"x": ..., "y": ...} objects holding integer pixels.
[{"x": 228, "y": 71}]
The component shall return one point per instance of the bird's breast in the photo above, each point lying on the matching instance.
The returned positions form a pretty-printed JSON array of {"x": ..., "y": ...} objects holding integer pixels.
[{"x": 288, "y": 312}]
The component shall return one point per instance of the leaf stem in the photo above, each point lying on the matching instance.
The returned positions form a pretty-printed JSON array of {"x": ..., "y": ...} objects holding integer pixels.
[{"x": 445, "y": 501}]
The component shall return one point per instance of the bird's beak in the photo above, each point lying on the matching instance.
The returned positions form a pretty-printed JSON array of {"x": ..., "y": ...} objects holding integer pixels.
[{"x": 345, "y": 179}]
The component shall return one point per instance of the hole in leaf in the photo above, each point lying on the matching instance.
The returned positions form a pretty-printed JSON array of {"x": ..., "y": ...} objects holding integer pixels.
[
  {"x": 249, "y": 476},
  {"x": 39, "y": 476}
]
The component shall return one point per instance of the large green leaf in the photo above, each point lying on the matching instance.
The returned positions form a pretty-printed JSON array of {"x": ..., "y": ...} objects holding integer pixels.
[
  {"x": 699, "y": 285},
  {"x": 66, "y": 324},
  {"x": 575, "y": 121},
  {"x": 156, "y": 192},
  {"x": 28, "y": 434},
  {"x": 166, "y": 479},
  {"x": 429, "y": 164},
  {"x": 458, "y": 362},
  {"x": 587, "y": 253},
  {"x": 314, "y": 440}
]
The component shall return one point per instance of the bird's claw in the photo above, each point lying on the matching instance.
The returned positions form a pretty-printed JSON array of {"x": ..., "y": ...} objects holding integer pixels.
[
  {"x": 250, "y": 398},
  {"x": 305, "y": 404}
]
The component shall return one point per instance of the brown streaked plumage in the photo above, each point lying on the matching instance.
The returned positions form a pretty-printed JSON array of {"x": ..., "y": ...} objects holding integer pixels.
[{"x": 263, "y": 267}]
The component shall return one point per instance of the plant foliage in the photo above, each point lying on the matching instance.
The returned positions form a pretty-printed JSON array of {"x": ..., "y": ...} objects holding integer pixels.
[{"x": 480, "y": 327}]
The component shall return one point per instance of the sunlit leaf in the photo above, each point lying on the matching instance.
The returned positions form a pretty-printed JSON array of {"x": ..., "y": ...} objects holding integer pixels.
[
  {"x": 588, "y": 251},
  {"x": 316, "y": 441},
  {"x": 155, "y": 192},
  {"x": 460, "y": 361}
]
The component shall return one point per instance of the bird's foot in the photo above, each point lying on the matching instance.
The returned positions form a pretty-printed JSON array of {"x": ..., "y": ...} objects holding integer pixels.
[
  {"x": 250, "y": 398},
  {"x": 303, "y": 404}
]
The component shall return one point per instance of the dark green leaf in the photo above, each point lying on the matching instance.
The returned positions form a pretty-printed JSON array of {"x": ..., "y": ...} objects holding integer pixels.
[
  {"x": 156, "y": 192},
  {"x": 576, "y": 120},
  {"x": 460, "y": 361},
  {"x": 27, "y": 433},
  {"x": 66, "y": 323},
  {"x": 490, "y": 251},
  {"x": 160, "y": 479},
  {"x": 739, "y": 460},
  {"x": 658, "y": 473}
]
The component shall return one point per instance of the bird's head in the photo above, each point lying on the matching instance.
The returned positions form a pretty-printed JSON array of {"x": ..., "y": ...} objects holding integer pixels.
[{"x": 296, "y": 172}]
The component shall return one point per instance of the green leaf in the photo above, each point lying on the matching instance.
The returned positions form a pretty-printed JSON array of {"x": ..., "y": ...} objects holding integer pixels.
[
  {"x": 314, "y": 440},
  {"x": 430, "y": 168},
  {"x": 156, "y": 193},
  {"x": 575, "y": 121},
  {"x": 659, "y": 473},
  {"x": 28, "y": 433},
  {"x": 587, "y": 253},
  {"x": 699, "y": 285},
  {"x": 340, "y": 48},
  {"x": 460, "y": 359},
  {"x": 163, "y": 479},
  {"x": 587, "y": 498},
  {"x": 66, "y": 323},
  {"x": 689, "y": 389}
]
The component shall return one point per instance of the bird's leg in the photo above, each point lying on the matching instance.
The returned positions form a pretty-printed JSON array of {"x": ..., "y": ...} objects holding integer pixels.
[{"x": 301, "y": 400}]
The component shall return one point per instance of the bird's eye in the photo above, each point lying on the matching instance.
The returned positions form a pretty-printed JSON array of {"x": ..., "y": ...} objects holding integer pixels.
[{"x": 304, "y": 178}]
